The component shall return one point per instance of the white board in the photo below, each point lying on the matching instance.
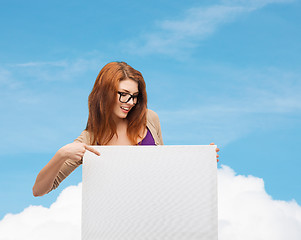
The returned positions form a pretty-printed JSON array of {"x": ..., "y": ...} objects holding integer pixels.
[{"x": 150, "y": 192}]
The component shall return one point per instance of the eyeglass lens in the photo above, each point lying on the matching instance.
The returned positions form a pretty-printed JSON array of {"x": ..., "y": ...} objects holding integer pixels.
[{"x": 126, "y": 97}]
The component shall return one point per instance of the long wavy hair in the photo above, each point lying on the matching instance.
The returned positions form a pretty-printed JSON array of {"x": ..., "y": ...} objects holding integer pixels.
[{"x": 102, "y": 99}]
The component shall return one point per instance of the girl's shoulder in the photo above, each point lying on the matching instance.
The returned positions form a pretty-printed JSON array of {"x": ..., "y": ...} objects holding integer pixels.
[
  {"x": 84, "y": 137},
  {"x": 152, "y": 122},
  {"x": 152, "y": 116}
]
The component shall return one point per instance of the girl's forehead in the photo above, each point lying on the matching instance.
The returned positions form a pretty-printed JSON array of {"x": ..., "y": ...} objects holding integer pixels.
[{"x": 129, "y": 85}]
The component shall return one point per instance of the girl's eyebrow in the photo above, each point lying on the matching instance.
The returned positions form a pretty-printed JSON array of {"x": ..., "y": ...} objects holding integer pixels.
[{"x": 128, "y": 91}]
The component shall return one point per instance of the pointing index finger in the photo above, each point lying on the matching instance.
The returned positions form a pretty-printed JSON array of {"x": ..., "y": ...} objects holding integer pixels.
[{"x": 91, "y": 149}]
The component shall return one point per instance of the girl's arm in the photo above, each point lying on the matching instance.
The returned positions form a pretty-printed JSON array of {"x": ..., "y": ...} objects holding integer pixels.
[{"x": 60, "y": 166}]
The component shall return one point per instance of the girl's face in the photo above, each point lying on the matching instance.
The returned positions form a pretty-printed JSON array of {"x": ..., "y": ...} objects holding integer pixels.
[{"x": 126, "y": 98}]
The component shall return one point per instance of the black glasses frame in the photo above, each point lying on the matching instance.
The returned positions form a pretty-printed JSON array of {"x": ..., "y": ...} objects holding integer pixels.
[{"x": 131, "y": 97}]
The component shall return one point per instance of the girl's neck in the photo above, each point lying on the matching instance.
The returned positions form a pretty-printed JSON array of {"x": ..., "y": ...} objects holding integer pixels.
[{"x": 121, "y": 122}]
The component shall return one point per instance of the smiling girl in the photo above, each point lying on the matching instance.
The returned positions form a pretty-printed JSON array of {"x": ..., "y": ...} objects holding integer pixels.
[{"x": 118, "y": 115}]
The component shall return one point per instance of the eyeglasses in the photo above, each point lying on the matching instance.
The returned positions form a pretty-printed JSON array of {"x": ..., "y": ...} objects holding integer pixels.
[{"x": 126, "y": 97}]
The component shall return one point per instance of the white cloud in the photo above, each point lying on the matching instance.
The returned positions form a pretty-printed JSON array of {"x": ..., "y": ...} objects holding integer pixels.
[
  {"x": 60, "y": 70},
  {"x": 172, "y": 36},
  {"x": 62, "y": 63},
  {"x": 246, "y": 211},
  {"x": 254, "y": 3},
  {"x": 62, "y": 220}
]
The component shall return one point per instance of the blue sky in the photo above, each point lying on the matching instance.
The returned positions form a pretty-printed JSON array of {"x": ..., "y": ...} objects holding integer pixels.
[{"x": 217, "y": 71}]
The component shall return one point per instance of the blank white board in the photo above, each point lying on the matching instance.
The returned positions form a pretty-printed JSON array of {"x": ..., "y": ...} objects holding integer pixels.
[{"x": 150, "y": 193}]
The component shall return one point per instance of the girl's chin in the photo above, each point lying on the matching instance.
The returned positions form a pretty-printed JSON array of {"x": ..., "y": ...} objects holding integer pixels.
[{"x": 123, "y": 115}]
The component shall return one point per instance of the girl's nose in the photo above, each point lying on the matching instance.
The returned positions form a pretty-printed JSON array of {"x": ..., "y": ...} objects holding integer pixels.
[{"x": 131, "y": 101}]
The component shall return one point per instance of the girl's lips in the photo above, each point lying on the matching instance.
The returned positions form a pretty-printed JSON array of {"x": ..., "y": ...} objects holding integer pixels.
[{"x": 124, "y": 110}]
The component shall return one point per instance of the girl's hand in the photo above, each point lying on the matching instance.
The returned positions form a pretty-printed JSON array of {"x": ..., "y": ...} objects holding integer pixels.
[
  {"x": 76, "y": 150},
  {"x": 217, "y": 150}
]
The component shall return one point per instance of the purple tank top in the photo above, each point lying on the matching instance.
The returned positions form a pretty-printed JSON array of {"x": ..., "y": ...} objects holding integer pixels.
[{"x": 148, "y": 140}]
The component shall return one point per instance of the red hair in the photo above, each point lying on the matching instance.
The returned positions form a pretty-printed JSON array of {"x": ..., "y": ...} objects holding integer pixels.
[{"x": 102, "y": 99}]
